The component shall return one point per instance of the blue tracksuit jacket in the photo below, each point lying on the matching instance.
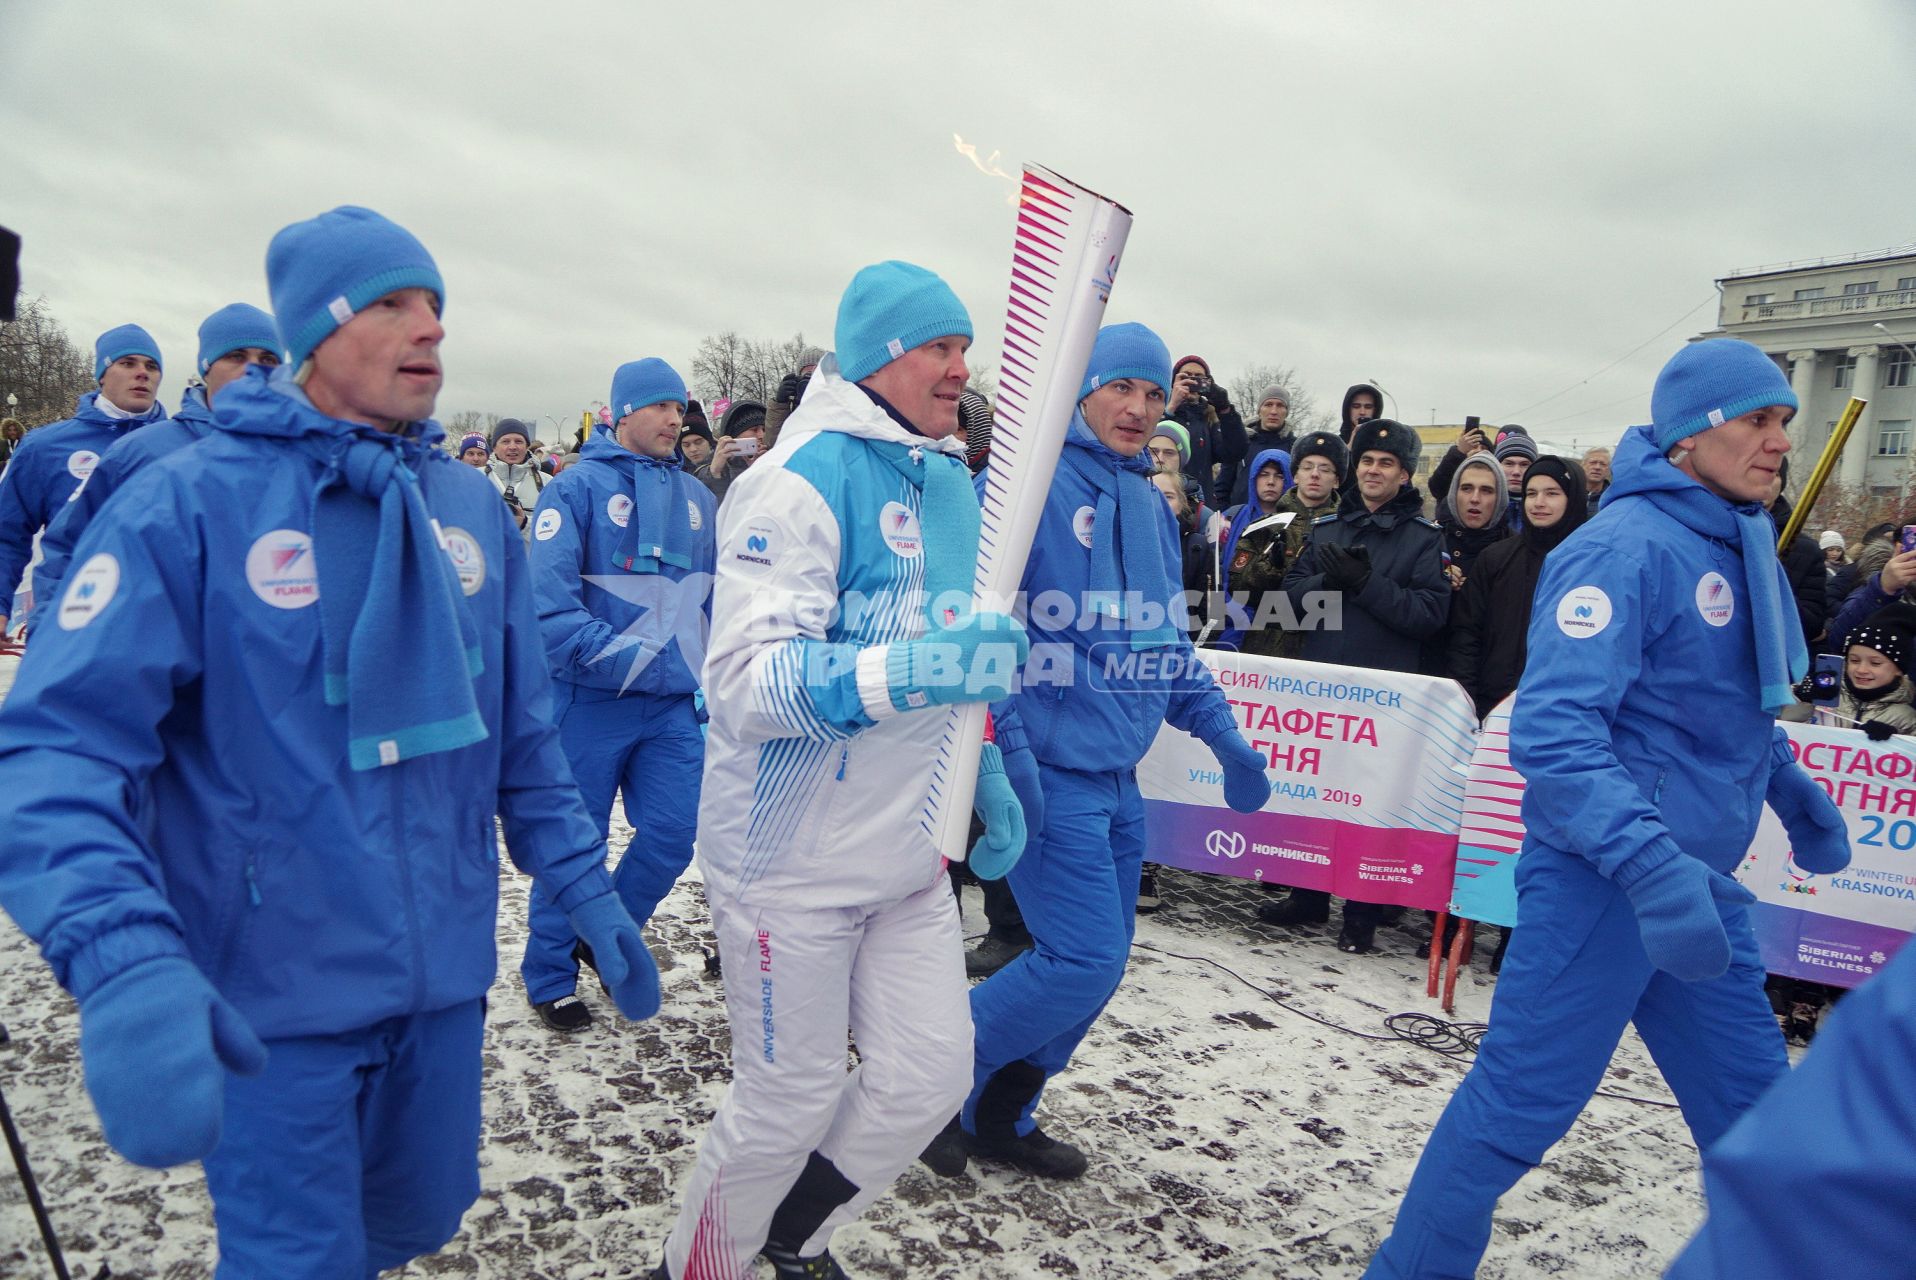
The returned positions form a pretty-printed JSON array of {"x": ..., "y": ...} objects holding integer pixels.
[
  {"x": 49, "y": 465},
  {"x": 173, "y": 782},
  {"x": 129, "y": 454},
  {"x": 587, "y": 604},
  {"x": 1065, "y": 708}
]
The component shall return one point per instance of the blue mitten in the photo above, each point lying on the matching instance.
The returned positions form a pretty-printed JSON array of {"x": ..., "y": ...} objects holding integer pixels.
[
  {"x": 997, "y": 805},
  {"x": 157, "y": 1042},
  {"x": 1246, "y": 786},
  {"x": 974, "y": 659},
  {"x": 1819, "y": 838},
  {"x": 1021, "y": 767},
  {"x": 619, "y": 954},
  {"x": 1677, "y": 916}
]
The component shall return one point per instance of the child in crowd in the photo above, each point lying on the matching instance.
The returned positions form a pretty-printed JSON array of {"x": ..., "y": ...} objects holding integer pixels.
[{"x": 1253, "y": 554}]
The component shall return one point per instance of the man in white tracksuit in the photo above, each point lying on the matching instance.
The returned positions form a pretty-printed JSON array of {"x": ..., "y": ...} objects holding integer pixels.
[{"x": 827, "y": 685}]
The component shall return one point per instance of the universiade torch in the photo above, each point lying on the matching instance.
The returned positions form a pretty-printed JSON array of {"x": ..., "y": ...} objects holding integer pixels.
[{"x": 1064, "y": 258}]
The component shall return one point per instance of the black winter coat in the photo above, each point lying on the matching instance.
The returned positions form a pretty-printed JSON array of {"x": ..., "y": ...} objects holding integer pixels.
[
  {"x": 1404, "y": 602},
  {"x": 1809, "y": 580},
  {"x": 1489, "y": 629}
]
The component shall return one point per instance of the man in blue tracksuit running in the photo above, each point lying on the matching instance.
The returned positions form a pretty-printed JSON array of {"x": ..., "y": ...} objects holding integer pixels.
[
  {"x": 1097, "y": 689},
  {"x": 1662, "y": 645},
  {"x": 622, "y": 546},
  {"x": 53, "y": 461},
  {"x": 232, "y": 340},
  {"x": 264, "y": 862}
]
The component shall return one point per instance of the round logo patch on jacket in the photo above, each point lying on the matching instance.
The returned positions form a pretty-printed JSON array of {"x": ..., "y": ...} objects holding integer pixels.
[
  {"x": 1714, "y": 599},
  {"x": 88, "y": 592},
  {"x": 1083, "y": 520},
  {"x": 468, "y": 561},
  {"x": 547, "y": 525},
  {"x": 1583, "y": 612},
  {"x": 697, "y": 516},
  {"x": 80, "y": 464},
  {"x": 618, "y": 509},
  {"x": 280, "y": 569},
  {"x": 898, "y": 526}
]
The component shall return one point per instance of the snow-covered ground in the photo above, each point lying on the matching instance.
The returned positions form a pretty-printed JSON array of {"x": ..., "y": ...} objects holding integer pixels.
[{"x": 1231, "y": 1135}]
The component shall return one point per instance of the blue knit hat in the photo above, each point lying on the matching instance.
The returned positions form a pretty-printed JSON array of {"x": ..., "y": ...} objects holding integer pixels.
[
  {"x": 643, "y": 382},
  {"x": 321, "y": 271},
  {"x": 889, "y": 308},
  {"x": 1127, "y": 351},
  {"x": 475, "y": 440},
  {"x": 235, "y": 327},
  {"x": 127, "y": 340},
  {"x": 1708, "y": 383}
]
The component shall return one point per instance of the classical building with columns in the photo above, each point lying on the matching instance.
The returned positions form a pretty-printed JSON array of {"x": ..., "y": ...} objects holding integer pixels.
[{"x": 1839, "y": 327}]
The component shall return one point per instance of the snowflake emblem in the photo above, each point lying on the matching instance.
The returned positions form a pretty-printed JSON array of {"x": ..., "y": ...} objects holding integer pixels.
[
  {"x": 1877, "y": 957},
  {"x": 1417, "y": 868},
  {"x": 669, "y": 611}
]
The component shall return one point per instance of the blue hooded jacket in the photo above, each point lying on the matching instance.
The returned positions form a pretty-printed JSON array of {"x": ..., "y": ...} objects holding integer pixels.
[
  {"x": 1638, "y": 723},
  {"x": 203, "y": 806},
  {"x": 49, "y": 464},
  {"x": 599, "y": 620},
  {"x": 129, "y": 454},
  {"x": 1073, "y": 709}
]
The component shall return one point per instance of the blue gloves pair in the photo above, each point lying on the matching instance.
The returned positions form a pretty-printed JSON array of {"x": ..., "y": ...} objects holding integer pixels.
[
  {"x": 973, "y": 659},
  {"x": 619, "y": 955},
  {"x": 1246, "y": 785},
  {"x": 1819, "y": 837},
  {"x": 1677, "y": 916},
  {"x": 1010, "y": 803},
  {"x": 157, "y": 1041}
]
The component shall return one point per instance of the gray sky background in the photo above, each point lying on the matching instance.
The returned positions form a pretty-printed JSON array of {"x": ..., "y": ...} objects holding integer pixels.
[{"x": 1478, "y": 204}]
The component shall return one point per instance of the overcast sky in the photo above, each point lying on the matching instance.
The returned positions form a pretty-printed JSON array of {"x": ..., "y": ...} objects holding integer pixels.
[{"x": 1477, "y": 205}]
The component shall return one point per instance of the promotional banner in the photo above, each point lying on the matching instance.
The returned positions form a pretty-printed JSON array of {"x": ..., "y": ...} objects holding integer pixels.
[
  {"x": 1492, "y": 832},
  {"x": 1367, "y": 782},
  {"x": 1840, "y": 929},
  {"x": 1836, "y": 929}
]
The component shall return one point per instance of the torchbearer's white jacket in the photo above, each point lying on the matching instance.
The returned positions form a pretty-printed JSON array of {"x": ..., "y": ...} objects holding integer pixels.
[{"x": 816, "y": 788}]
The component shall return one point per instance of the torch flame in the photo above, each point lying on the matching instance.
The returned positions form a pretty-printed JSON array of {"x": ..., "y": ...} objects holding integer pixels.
[{"x": 988, "y": 166}]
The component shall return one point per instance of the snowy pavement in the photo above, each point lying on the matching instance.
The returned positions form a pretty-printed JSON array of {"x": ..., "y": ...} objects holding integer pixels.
[{"x": 1230, "y": 1135}]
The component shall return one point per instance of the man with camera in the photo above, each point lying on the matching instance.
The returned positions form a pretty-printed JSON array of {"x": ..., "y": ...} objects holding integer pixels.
[
  {"x": 1199, "y": 405},
  {"x": 741, "y": 441},
  {"x": 512, "y": 471}
]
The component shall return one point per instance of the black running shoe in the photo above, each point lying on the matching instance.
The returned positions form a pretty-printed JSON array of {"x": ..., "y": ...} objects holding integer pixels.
[
  {"x": 949, "y": 1152},
  {"x": 567, "y": 1013},
  {"x": 991, "y": 955},
  {"x": 787, "y": 1265},
  {"x": 1035, "y": 1152}
]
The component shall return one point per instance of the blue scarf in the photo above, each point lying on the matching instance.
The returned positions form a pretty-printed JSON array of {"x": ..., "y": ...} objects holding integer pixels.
[
  {"x": 1127, "y": 537},
  {"x": 1781, "y": 656},
  {"x": 660, "y": 530},
  {"x": 390, "y": 608},
  {"x": 947, "y": 520}
]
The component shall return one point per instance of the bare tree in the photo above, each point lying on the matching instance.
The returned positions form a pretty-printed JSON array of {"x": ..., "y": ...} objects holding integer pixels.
[
  {"x": 718, "y": 370},
  {"x": 984, "y": 380},
  {"x": 469, "y": 422},
  {"x": 1247, "y": 386},
  {"x": 728, "y": 366},
  {"x": 42, "y": 366}
]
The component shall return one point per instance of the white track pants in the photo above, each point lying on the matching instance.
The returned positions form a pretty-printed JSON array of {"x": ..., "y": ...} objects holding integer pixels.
[{"x": 796, "y": 981}]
